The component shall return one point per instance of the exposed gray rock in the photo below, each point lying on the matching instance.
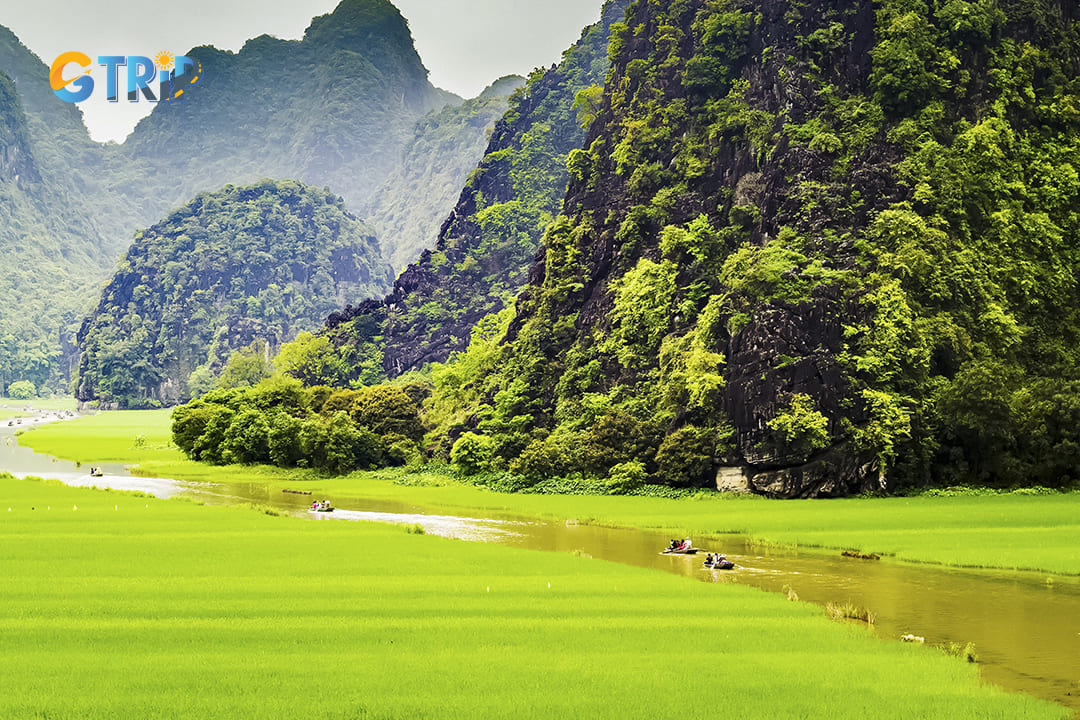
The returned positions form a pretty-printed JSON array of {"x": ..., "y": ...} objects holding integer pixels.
[{"x": 838, "y": 472}]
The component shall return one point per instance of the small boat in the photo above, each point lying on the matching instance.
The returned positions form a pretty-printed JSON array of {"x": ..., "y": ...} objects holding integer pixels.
[
  {"x": 683, "y": 548},
  {"x": 325, "y": 509},
  {"x": 96, "y": 472},
  {"x": 718, "y": 562}
]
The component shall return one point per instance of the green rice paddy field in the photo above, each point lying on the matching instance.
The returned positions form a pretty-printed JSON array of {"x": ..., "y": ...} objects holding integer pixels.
[
  {"x": 1011, "y": 531},
  {"x": 119, "y": 606}
]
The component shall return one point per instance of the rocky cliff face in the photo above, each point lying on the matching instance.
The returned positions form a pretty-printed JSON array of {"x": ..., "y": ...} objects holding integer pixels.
[
  {"x": 489, "y": 240},
  {"x": 408, "y": 209},
  {"x": 784, "y": 250},
  {"x": 339, "y": 107},
  {"x": 16, "y": 159}
]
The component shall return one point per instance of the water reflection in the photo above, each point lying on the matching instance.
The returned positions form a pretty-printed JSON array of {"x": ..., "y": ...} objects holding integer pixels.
[{"x": 1025, "y": 630}]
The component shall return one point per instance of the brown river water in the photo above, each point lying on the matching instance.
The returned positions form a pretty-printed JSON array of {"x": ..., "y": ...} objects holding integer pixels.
[{"x": 1025, "y": 626}]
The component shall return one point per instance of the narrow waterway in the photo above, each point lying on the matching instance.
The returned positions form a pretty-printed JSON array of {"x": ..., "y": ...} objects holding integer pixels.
[{"x": 1025, "y": 626}]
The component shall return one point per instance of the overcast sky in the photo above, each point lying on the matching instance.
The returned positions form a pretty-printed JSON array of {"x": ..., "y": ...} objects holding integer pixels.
[{"x": 464, "y": 43}]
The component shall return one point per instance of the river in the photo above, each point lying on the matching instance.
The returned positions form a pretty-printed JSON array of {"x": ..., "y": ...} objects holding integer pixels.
[{"x": 1025, "y": 626}]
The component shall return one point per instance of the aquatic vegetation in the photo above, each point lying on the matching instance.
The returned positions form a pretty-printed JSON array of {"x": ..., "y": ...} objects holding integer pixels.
[
  {"x": 848, "y": 611},
  {"x": 964, "y": 651}
]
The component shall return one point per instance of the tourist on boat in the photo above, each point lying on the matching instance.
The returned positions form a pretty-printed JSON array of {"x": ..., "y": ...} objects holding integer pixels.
[{"x": 314, "y": 504}]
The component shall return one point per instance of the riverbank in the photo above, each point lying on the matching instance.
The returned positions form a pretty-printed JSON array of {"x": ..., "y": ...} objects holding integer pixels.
[
  {"x": 121, "y": 606},
  {"x": 1012, "y": 531}
]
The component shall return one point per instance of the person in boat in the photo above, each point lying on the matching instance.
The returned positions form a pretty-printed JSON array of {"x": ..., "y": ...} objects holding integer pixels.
[
  {"x": 314, "y": 504},
  {"x": 674, "y": 544}
]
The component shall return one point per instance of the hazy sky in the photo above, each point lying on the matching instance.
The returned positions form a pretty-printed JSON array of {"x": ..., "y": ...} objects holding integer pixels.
[{"x": 464, "y": 43}]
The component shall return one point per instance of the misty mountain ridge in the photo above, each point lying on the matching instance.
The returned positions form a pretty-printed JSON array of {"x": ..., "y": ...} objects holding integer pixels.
[{"x": 340, "y": 108}]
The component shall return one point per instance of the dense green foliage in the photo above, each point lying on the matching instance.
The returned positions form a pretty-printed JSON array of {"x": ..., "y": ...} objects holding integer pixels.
[
  {"x": 279, "y": 422},
  {"x": 347, "y": 106},
  {"x": 486, "y": 246},
  {"x": 815, "y": 246},
  {"x": 51, "y": 249},
  {"x": 262, "y": 262}
]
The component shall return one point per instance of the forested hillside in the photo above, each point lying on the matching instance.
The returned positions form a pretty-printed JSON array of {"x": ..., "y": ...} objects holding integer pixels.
[
  {"x": 239, "y": 266},
  {"x": 407, "y": 210},
  {"x": 50, "y": 255},
  {"x": 56, "y": 241},
  {"x": 349, "y": 106},
  {"x": 807, "y": 249},
  {"x": 488, "y": 242}
]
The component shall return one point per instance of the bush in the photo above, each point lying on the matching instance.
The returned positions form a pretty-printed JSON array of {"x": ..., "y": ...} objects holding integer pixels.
[
  {"x": 627, "y": 477},
  {"x": 685, "y": 458},
  {"x": 246, "y": 440},
  {"x": 471, "y": 453},
  {"x": 21, "y": 390}
]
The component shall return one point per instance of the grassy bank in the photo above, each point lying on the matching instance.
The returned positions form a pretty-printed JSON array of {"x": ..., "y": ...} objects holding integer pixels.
[
  {"x": 1004, "y": 531},
  {"x": 126, "y": 607}
]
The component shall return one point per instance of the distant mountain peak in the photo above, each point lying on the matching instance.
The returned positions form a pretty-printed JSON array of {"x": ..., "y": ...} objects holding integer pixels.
[{"x": 360, "y": 19}]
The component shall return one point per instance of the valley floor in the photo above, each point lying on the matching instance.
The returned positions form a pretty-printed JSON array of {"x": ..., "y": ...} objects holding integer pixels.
[
  {"x": 1008, "y": 531},
  {"x": 123, "y": 606}
]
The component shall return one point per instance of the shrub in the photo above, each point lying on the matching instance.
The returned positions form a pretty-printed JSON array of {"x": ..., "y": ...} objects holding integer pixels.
[
  {"x": 21, "y": 390},
  {"x": 627, "y": 477},
  {"x": 685, "y": 457},
  {"x": 471, "y": 453}
]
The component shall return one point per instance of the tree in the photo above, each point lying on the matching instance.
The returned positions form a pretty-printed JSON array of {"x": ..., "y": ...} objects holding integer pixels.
[
  {"x": 21, "y": 390},
  {"x": 471, "y": 453},
  {"x": 313, "y": 360},
  {"x": 247, "y": 367},
  {"x": 387, "y": 409}
]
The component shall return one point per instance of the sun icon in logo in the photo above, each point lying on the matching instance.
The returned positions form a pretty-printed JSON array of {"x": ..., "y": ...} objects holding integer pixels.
[{"x": 164, "y": 60}]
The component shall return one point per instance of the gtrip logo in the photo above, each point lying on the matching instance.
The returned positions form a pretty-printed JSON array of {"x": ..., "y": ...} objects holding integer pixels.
[{"x": 172, "y": 75}]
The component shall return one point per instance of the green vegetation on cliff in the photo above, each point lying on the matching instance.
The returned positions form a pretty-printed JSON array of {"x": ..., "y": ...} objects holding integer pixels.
[
  {"x": 335, "y": 108},
  {"x": 345, "y": 106},
  {"x": 818, "y": 245},
  {"x": 407, "y": 210},
  {"x": 489, "y": 241},
  {"x": 51, "y": 252},
  {"x": 244, "y": 264}
]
